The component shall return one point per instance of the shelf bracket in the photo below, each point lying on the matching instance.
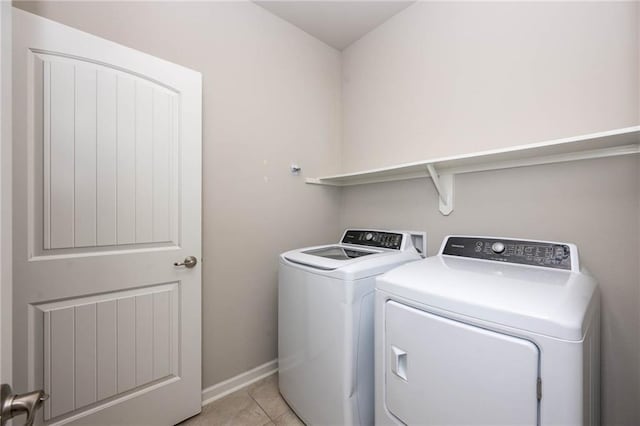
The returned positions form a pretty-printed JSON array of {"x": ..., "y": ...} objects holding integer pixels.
[{"x": 444, "y": 186}]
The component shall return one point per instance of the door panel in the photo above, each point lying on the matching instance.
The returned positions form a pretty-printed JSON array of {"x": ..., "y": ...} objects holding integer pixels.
[
  {"x": 444, "y": 372},
  {"x": 107, "y": 196},
  {"x": 108, "y": 155},
  {"x": 99, "y": 346},
  {"x": 106, "y": 158}
]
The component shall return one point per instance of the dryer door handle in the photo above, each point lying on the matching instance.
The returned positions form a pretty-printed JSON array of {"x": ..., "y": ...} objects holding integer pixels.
[{"x": 399, "y": 362}]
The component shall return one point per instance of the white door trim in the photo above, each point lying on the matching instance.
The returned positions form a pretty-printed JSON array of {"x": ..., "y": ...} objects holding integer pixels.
[{"x": 6, "y": 141}]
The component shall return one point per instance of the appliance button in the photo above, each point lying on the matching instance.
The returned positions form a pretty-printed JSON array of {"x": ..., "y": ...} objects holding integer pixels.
[{"x": 497, "y": 247}]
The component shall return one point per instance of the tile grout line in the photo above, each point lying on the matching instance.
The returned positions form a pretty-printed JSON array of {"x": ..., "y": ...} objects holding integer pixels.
[
  {"x": 259, "y": 407},
  {"x": 272, "y": 419},
  {"x": 247, "y": 391},
  {"x": 263, "y": 410}
]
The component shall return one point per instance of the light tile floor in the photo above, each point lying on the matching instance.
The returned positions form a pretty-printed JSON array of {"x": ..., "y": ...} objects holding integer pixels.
[{"x": 258, "y": 404}]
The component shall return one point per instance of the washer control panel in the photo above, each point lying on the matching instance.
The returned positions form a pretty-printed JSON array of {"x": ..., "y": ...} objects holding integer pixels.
[
  {"x": 536, "y": 253},
  {"x": 380, "y": 239}
]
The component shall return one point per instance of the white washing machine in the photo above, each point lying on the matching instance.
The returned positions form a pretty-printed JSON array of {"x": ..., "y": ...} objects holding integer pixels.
[
  {"x": 491, "y": 331},
  {"x": 325, "y": 323}
]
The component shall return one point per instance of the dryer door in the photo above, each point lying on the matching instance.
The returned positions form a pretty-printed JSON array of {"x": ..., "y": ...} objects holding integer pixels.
[{"x": 444, "y": 372}]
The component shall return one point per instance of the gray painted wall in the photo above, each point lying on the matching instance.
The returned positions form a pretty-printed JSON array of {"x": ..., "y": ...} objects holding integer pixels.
[
  {"x": 271, "y": 96},
  {"x": 446, "y": 78}
]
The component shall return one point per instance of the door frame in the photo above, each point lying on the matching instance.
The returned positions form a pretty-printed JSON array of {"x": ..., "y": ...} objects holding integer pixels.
[{"x": 6, "y": 240}]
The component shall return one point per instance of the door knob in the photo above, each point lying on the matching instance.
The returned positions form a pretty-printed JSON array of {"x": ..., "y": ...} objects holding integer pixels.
[
  {"x": 188, "y": 262},
  {"x": 13, "y": 405}
]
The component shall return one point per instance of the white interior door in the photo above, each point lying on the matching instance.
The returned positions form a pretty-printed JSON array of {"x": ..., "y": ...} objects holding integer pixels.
[
  {"x": 444, "y": 372},
  {"x": 107, "y": 196}
]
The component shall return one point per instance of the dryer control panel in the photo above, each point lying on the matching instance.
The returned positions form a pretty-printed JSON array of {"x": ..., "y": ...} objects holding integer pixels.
[
  {"x": 536, "y": 253},
  {"x": 380, "y": 239}
]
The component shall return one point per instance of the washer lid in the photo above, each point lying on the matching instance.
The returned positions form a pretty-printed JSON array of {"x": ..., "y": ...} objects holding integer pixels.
[
  {"x": 347, "y": 262},
  {"x": 331, "y": 257},
  {"x": 551, "y": 302},
  {"x": 339, "y": 252}
]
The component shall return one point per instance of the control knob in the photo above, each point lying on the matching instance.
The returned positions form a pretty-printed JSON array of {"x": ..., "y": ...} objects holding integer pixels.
[{"x": 497, "y": 247}]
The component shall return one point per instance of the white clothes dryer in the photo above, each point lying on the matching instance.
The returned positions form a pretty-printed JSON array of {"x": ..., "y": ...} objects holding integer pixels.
[
  {"x": 491, "y": 331},
  {"x": 325, "y": 323}
]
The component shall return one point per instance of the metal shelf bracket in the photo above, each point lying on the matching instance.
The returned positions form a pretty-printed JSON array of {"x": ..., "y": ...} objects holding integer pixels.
[{"x": 444, "y": 186}]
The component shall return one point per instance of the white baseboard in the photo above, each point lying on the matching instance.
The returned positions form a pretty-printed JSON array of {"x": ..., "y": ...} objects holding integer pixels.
[{"x": 222, "y": 389}]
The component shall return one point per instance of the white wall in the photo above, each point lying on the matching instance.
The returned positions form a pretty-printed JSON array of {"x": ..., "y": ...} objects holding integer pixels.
[
  {"x": 448, "y": 78},
  {"x": 271, "y": 96},
  {"x": 443, "y": 78}
]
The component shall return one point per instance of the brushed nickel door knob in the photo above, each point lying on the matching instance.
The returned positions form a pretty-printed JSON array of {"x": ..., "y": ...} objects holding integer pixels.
[
  {"x": 189, "y": 262},
  {"x": 12, "y": 405}
]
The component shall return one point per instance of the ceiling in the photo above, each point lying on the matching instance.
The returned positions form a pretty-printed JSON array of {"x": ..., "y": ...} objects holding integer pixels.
[{"x": 337, "y": 23}]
